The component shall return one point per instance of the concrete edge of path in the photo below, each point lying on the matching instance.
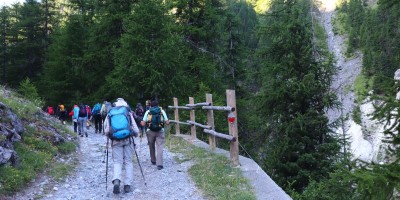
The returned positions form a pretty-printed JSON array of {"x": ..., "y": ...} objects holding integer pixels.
[{"x": 264, "y": 187}]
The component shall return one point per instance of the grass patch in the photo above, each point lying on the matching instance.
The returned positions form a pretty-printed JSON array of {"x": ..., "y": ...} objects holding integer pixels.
[
  {"x": 212, "y": 172},
  {"x": 362, "y": 86},
  {"x": 31, "y": 161},
  {"x": 347, "y": 89},
  {"x": 22, "y": 108},
  {"x": 40, "y": 144},
  {"x": 320, "y": 35},
  {"x": 356, "y": 115},
  {"x": 61, "y": 170},
  {"x": 66, "y": 147},
  {"x": 338, "y": 23}
]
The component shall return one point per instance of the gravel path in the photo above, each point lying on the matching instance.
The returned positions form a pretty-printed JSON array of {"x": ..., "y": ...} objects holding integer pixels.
[
  {"x": 88, "y": 179},
  {"x": 348, "y": 68}
]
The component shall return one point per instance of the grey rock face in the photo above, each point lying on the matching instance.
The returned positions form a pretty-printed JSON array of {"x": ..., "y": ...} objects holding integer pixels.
[{"x": 11, "y": 129}]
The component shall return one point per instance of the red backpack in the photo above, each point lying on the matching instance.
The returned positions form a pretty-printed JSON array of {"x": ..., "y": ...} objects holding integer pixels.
[
  {"x": 50, "y": 110},
  {"x": 89, "y": 112}
]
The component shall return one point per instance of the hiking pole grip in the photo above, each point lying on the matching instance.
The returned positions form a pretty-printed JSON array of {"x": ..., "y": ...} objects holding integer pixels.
[{"x": 140, "y": 166}]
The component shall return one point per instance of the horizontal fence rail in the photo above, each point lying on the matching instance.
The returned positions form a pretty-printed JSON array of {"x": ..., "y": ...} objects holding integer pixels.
[
  {"x": 210, "y": 128},
  {"x": 199, "y": 125},
  {"x": 220, "y": 135}
]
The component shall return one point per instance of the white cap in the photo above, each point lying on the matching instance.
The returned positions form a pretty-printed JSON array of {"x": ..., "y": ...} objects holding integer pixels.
[{"x": 121, "y": 102}]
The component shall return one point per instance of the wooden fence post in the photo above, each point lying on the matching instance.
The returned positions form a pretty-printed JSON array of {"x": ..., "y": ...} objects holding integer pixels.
[
  {"x": 233, "y": 130},
  {"x": 176, "y": 112},
  {"x": 193, "y": 119},
  {"x": 210, "y": 122}
]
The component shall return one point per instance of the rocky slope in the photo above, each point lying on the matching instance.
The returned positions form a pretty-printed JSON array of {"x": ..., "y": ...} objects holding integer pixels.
[{"x": 365, "y": 138}]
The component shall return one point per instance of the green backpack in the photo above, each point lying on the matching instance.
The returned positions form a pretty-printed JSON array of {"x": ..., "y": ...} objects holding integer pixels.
[{"x": 155, "y": 119}]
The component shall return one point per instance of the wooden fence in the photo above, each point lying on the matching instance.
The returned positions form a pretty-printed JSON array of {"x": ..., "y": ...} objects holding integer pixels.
[{"x": 209, "y": 128}]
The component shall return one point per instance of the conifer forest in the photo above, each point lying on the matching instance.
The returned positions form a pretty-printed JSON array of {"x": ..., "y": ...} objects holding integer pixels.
[{"x": 273, "y": 53}]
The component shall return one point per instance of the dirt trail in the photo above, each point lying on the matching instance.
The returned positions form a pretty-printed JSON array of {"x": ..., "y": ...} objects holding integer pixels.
[{"x": 88, "y": 179}]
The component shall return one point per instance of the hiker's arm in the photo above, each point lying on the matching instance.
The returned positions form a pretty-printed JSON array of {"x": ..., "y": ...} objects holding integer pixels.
[
  {"x": 166, "y": 121},
  {"x": 144, "y": 120},
  {"x": 103, "y": 107},
  {"x": 134, "y": 126},
  {"x": 106, "y": 126}
]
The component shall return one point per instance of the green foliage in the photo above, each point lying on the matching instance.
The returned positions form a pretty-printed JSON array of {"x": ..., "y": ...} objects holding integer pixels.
[
  {"x": 150, "y": 51},
  {"x": 22, "y": 108},
  {"x": 24, "y": 42},
  {"x": 60, "y": 170},
  {"x": 63, "y": 75},
  {"x": 370, "y": 30},
  {"x": 13, "y": 179},
  {"x": 29, "y": 91},
  {"x": 356, "y": 115},
  {"x": 66, "y": 147},
  {"x": 374, "y": 182},
  {"x": 362, "y": 86},
  {"x": 339, "y": 23}
]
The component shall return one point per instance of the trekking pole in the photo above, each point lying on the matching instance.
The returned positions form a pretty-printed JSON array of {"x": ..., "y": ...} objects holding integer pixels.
[
  {"x": 104, "y": 157},
  {"x": 107, "y": 164},
  {"x": 134, "y": 148}
]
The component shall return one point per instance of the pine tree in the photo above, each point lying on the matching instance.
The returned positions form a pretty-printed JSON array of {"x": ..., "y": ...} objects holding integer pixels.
[
  {"x": 26, "y": 47},
  {"x": 5, "y": 24},
  {"x": 152, "y": 60},
  {"x": 104, "y": 35},
  {"x": 298, "y": 141},
  {"x": 63, "y": 74}
]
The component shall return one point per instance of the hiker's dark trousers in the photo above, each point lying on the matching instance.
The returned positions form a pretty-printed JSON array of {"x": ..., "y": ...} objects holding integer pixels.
[
  {"x": 98, "y": 126},
  {"x": 75, "y": 126}
]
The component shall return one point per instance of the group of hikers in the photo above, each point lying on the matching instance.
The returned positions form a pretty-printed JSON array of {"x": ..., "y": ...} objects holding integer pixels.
[
  {"x": 61, "y": 112},
  {"x": 121, "y": 124}
]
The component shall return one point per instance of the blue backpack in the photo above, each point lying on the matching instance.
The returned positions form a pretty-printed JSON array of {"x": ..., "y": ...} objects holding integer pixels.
[
  {"x": 96, "y": 109},
  {"x": 120, "y": 123}
]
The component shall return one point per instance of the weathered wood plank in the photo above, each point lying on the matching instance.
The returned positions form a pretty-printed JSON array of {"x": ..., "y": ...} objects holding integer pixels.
[
  {"x": 210, "y": 121},
  {"x": 180, "y": 107},
  {"x": 192, "y": 118},
  {"x": 198, "y": 124},
  {"x": 178, "y": 122},
  {"x": 198, "y": 104},
  {"x": 233, "y": 129},
  {"x": 224, "y": 108},
  {"x": 220, "y": 135},
  {"x": 176, "y": 113}
]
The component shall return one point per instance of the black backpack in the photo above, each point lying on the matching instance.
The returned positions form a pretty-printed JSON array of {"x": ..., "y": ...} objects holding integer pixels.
[
  {"x": 139, "y": 113},
  {"x": 82, "y": 111}
]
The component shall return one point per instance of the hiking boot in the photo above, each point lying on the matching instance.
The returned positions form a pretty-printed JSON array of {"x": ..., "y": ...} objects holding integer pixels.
[
  {"x": 116, "y": 186},
  {"x": 153, "y": 163},
  {"x": 160, "y": 167},
  {"x": 127, "y": 188},
  {"x": 86, "y": 134}
]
